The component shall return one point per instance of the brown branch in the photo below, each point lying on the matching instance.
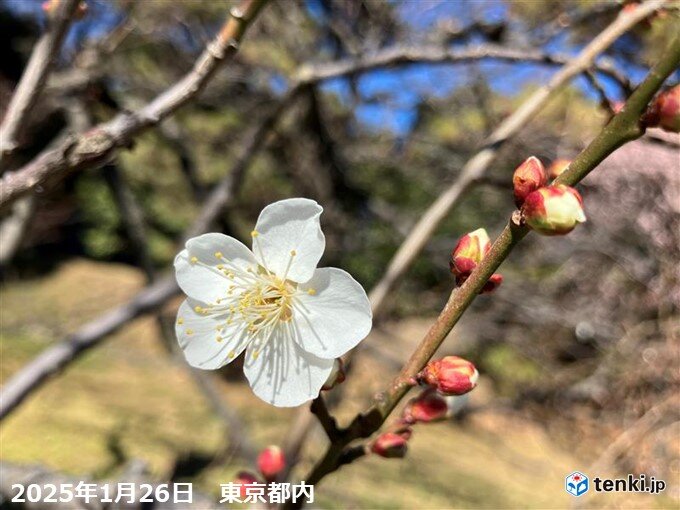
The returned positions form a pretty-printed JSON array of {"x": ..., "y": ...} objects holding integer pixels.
[
  {"x": 437, "y": 54},
  {"x": 472, "y": 173},
  {"x": 98, "y": 145},
  {"x": 319, "y": 409},
  {"x": 34, "y": 77},
  {"x": 93, "y": 148},
  {"x": 622, "y": 128}
]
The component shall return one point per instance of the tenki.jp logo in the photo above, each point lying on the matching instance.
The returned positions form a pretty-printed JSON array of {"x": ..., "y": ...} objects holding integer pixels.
[{"x": 576, "y": 484}]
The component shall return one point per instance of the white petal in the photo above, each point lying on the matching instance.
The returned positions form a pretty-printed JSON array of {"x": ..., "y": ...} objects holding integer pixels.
[
  {"x": 282, "y": 373},
  {"x": 334, "y": 317},
  {"x": 290, "y": 226},
  {"x": 197, "y": 335},
  {"x": 201, "y": 279}
]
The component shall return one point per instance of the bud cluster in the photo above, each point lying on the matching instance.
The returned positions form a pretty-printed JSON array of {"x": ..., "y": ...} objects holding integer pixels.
[
  {"x": 550, "y": 210},
  {"x": 467, "y": 254},
  {"x": 446, "y": 377}
]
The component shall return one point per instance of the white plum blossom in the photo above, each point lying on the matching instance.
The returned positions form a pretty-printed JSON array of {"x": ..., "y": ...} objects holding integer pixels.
[{"x": 291, "y": 318}]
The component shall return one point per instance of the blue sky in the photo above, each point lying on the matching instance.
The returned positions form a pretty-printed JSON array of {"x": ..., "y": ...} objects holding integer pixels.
[{"x": 404, "y": 88}]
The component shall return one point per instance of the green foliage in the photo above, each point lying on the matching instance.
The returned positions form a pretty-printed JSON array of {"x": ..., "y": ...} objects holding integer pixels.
[{"x": 509, "y": 369}]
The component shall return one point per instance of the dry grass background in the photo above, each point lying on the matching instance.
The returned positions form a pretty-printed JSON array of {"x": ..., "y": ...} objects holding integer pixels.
[{"x": 127, "y": 399}]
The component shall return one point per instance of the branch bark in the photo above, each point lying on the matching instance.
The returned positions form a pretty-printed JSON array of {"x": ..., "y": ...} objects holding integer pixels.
[
  {"x": 622, "y": 128},
  {"x": 34, "y": 77},
  {"x": 98, "y": 145}
]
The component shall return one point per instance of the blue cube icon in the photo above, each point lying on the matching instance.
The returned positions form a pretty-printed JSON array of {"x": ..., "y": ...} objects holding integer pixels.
[{"x": 576, "y": 484}]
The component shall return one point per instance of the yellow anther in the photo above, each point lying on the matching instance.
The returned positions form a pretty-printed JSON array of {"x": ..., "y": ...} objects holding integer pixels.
[
  {"x": 198, "y": 309},
  {"x": 193, "y": 260},
  {"x": 256, "y": 354},
  {"x": 232, "y": 354},
  {"x": 220, "y": 267},
  {"x": 254, "y": 233},
  {"x": 311, "y": 291},
  {"x": 180, "y": 321},
  {"x": 219, "y": 338},
  {"x": 189, "y": 331},
  {"x": 293, "y": 253},
  {"x": 218, "y": 254}
]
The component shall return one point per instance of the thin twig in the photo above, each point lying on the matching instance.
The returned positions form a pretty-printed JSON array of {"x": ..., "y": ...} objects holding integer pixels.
[
  {"x": 98, "y": 145},
  {"x": 437, "y": 54},
  {"x": 34, "y": 77}
]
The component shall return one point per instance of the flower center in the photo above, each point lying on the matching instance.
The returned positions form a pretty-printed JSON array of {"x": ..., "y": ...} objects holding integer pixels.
[{"x": 266, "y": 303}]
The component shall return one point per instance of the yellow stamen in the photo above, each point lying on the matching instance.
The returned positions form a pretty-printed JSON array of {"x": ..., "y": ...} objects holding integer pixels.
[
  {"x": 254, "y": 233},
  {"x": 218, "y": 254},
  {"x": 193, "y": 260},
  {"x": 219, "y": 338},
  {"x": 180, "y": 321},
  {"x": 189, "y": 331},
  {"x": 311, "y": 292}
]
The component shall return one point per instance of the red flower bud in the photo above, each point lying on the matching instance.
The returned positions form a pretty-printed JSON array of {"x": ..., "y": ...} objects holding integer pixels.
[
  {"x": 337, "y": 375},
  {"x": 553, "y": 210},
  {"x": 271, "y": 462},
  {"x": 528, "y": 177},
  {"x": 558, "y": 167},
  {"x": 667, "y": 107},
  {"x": 390, "y": 445},
  {"x": 426, "y": 407},
  {"x": 469, "y": 252},
  {"x": 50, "y": 6},
  {"x": 491, "y": 285},
  {"x": 450, "y": 375},
  {"x": 245, "y": 479},
  {"x": 494, "y": 282}
]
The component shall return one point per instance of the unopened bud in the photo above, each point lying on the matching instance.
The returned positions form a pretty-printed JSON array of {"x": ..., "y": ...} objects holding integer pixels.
[
  {"x": 469, "y": 252},
  {"x": 450, "y": 375},
  {"x": 558, "y": 167},
  {"x": 337, "y": 375},
  {"x": 271, "y": 462},
  {"x": 553, "y": 210},
  {"x": 390, "y": 445},
  {"x": 245, "y": 479},
  {"x": 49, "y": 7},
  {"x": 492, "y": 284},
  {"x": 528, "y": 177},
  {"x": 667, "y": 109},
  {"x": 427, "y": 407}
]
